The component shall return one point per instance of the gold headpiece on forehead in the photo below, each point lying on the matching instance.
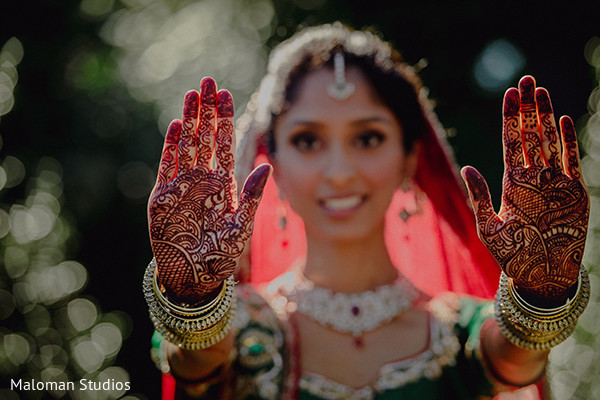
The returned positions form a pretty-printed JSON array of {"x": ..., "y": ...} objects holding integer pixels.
[{"x": 341, "y": 89}]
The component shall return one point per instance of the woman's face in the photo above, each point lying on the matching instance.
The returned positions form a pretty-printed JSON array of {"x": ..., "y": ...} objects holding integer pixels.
[{"x": 339, "y": 162}]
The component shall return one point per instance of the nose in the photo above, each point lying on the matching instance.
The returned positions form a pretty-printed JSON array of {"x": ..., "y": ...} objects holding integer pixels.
[{"x": 339, "y": 165}]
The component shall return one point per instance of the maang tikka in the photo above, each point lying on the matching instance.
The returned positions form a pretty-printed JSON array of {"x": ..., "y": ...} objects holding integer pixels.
[{"x": 341, "y": 89}]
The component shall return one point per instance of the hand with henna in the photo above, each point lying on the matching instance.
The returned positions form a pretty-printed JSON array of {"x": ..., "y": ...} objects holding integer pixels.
[
  {"x": 197, "y": 228},
  {"x": 538, "y": 235}
]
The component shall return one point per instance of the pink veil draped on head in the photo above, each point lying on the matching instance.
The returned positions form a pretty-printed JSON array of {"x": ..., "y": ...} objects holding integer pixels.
[{"x": 437, "y": 248}]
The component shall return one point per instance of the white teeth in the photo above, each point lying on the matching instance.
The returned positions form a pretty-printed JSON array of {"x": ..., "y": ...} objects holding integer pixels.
[{"x": 343, "y": 203}]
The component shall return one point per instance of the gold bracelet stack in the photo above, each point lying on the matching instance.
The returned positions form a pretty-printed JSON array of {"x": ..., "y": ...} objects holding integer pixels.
[
  {"x": 536, "y": 328},
  {"x": 190, "y": 328}
]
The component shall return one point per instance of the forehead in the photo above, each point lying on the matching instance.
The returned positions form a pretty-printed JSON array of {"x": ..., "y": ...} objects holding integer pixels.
[{"x": 312, "y": 102}]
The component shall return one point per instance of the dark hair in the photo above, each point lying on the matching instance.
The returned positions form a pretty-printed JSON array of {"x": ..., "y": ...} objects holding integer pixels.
[{"x": 396, "y": 92}]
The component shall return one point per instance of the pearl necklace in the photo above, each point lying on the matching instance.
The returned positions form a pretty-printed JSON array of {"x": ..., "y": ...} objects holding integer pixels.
[{"x": 354, "y": 313}]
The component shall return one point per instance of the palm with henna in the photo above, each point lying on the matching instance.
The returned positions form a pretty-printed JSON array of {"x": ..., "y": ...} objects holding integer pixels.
[
  {"x": 197, "y": 228},
  {"x": 538, "y": 235}
]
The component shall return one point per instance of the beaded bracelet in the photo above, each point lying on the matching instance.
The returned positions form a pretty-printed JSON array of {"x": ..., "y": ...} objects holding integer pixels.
[
  {"x": 190, "y": 328},
  {"x": 536, "y": 328}
]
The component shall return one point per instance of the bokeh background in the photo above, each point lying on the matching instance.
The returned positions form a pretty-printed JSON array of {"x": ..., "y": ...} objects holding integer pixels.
[{"x": 88, "y": 87}]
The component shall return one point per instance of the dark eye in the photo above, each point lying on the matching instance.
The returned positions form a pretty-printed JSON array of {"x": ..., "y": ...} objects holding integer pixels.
[
  {"x": 306, "y": 141},
  {"x": 369, "y": 139}
]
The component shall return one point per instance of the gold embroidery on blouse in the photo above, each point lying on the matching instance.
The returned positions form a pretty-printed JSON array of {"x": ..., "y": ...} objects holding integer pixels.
[{"x": 441, "y": 352}]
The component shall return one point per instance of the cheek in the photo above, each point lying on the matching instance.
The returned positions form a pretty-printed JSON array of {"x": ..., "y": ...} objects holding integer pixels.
[
  {"x": 385, "y": 171},
  {"x": 293, "y": 178},
  {"x": 296, "y": 189}
]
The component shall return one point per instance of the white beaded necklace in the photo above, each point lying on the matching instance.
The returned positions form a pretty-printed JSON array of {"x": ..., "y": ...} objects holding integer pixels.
[{"x": 354, "y": 313}]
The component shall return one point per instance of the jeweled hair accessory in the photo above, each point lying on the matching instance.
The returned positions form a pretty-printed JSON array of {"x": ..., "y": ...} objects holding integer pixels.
[{"x": 341, "y": 89}]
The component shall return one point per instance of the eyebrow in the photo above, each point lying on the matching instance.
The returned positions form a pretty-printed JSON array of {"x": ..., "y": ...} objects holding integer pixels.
[
  {"x": 372, "y": 119},
  {"x": 362, "y": 121}
]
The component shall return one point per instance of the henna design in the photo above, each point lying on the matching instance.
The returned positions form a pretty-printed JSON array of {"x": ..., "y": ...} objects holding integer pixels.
[
  {"x": 187, "y": 143},
  {"x": 513, "y": 153},
  {"x": 570, "y": 150},
  {"x": 529, "y": 123},
  {"x": 538, "y": 236},
  {"x": 206, "y": 128},
  {"x": 197, "y": 230},
  {"x": 168, "y": 163},
  {"x": 225, "y": 123},
  {"x": 541, "y": 238},
  {"x": 550, "y": 141}
]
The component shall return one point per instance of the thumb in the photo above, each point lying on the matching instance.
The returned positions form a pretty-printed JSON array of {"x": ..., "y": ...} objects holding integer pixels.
[
  {"x": 255, "y": 183},
  {"x": 479, "y": 194},
  {"x": 250, "y": 198}
]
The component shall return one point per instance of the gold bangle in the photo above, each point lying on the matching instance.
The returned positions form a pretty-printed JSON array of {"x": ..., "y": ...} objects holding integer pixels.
[
  {"x": 192, "y": 321},
  {"x": 526, "y": 315},
  {"x": 191, "y": 342},
  {"x": 195, "y": 328},
  {"x": 533, "y": 327},
  {"x": 185, "y": 322},
  {"x": 544, "y": 313},
  {"x": 531, "y": 342},
  {"x": 187, "y": 312}
]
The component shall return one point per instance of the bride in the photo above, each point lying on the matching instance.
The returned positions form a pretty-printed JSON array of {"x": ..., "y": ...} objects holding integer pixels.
[{"x": 362, "y": 274}]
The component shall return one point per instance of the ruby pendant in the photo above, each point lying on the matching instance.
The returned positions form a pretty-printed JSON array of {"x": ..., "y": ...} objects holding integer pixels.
[{"x": 359, "y": 342}]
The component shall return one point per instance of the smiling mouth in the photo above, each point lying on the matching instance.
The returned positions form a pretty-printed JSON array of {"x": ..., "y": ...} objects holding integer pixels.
[{"x": 343, "y": 203}]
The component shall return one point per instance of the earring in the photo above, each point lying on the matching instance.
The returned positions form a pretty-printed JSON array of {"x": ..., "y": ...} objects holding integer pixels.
[
  {"x": 408, "y": 210},
  {"x": 282, "y": 219}
]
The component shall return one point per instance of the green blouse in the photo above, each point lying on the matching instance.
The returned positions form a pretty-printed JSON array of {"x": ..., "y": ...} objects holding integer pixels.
[{"x": 262, "y": 363}]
